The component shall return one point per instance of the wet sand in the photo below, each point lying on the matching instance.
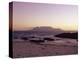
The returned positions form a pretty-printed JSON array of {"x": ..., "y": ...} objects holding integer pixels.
[{"x": 29, "y": 49}]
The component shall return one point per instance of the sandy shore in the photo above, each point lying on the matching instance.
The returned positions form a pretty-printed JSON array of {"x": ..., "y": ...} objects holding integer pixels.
[{"x": 29, "y": 49}]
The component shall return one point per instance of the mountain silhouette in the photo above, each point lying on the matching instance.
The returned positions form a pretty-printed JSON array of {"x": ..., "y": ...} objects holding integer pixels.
[{"x": 46, "y": 28}]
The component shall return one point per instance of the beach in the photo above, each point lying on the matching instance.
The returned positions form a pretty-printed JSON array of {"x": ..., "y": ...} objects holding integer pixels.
[{"x": 30, "y": 49}]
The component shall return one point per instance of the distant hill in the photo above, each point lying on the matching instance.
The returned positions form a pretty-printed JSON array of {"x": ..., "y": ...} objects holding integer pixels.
[
  {"x": 43, "y": 28},
  {"x": 68, "y": 35},
  {"x": 46, "y": 30}
]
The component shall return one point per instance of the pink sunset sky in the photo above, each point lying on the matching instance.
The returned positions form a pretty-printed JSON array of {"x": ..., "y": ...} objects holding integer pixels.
[{"x": 27, "y": 15}]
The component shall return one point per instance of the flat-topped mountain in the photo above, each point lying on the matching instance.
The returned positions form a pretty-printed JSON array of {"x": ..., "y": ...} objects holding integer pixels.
[{"x": 45, "y": 28}]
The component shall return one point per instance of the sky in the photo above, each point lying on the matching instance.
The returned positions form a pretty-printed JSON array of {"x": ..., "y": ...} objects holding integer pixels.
[{"x": 27, "y": 15}]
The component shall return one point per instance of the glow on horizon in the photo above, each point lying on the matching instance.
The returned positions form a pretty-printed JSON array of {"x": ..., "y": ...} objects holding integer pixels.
[{"x": 28, "y": 15}]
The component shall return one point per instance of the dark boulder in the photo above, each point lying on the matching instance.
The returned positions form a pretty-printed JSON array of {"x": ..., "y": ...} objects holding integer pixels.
[
  {"x": 37, "y": 41},
  {"x": 24, "y": 38},
  {"x": 49, "y": 39}
]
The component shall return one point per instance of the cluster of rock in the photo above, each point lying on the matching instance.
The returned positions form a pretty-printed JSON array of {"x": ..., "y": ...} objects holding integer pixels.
[{"x": 37, "y": 39}]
